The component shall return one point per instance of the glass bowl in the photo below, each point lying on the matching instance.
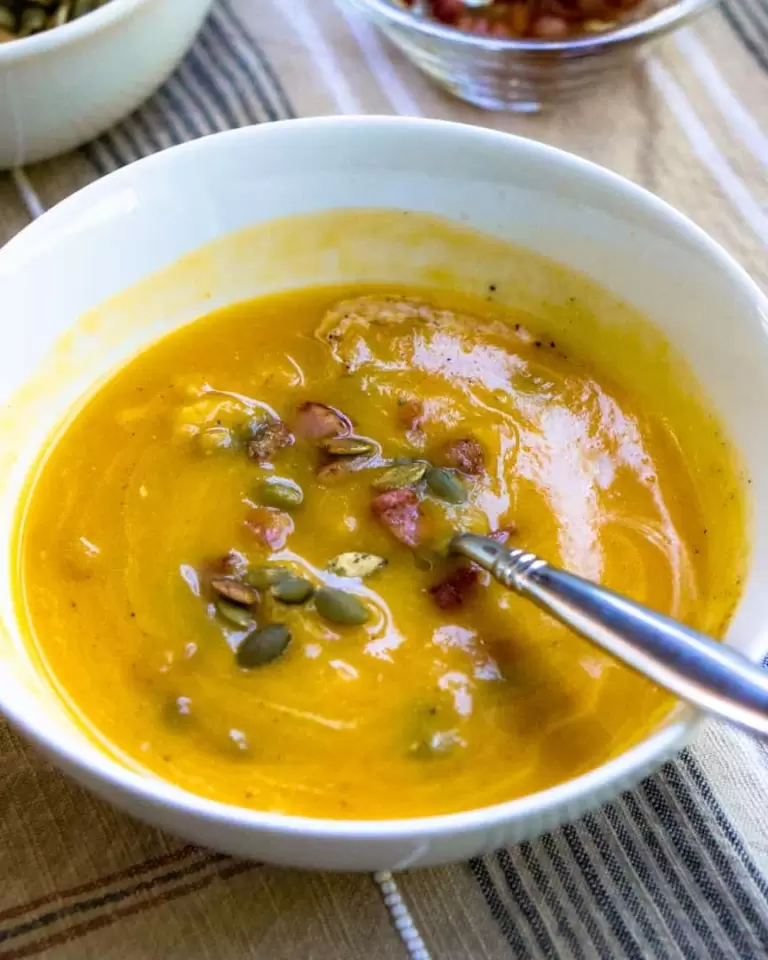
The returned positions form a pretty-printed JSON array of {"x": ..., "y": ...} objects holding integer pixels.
[{"x": 528, "y": 75}]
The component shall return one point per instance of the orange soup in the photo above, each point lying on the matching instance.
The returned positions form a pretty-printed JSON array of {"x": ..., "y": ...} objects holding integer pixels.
[{"x": 234, "y": 559}]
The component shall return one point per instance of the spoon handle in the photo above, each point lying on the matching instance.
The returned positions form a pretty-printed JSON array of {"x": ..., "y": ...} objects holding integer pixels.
[{"x": 686, "y": 662}]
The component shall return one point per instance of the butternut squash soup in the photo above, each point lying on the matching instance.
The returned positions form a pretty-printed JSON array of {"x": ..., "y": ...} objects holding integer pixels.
[{"x": 234, "y": 557}]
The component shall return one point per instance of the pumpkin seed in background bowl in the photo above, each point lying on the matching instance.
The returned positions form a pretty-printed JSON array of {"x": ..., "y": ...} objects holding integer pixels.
[
  {"x": 32, "y": 20},
  {"x": 94, "y": 62},
  {"x": 27, "y": 17}
]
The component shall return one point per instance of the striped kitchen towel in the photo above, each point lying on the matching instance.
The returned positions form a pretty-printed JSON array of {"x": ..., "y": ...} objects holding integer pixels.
[{"x": 678, "y": 867}]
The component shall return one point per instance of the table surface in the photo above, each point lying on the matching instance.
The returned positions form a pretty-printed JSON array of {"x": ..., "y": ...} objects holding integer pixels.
[{"x": 677, "y": 867}]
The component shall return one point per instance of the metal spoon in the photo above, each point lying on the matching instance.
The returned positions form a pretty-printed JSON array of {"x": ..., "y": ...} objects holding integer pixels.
[{"x": 690, "y": 664}]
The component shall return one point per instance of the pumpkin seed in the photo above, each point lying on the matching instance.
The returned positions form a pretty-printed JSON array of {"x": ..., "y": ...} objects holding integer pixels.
[
  {"x": 349, "y": 446},
  {"x": 356, "y": 564},
  {"x": 60, "y": 15},
  {"x": 263, "y": 577},
  {"x": 263, "y": 646},
  {"x": 336, "y": 606},
  {"x": 293, "y": 590},
  {"x": 19, "y": 19},
  {"x": 402, "y": 475},
  {"x": 235, "y": 590},
  {"x": 234, "y": 613},
  {"x": 446, "y": 485},
  {"x": 33, "y": 20},
  {"x": 81, "y": 7},
  {"x": 281, "y": 493}
]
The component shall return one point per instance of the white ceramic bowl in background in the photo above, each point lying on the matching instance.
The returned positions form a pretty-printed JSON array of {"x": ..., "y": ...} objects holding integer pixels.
[
  {"x": 128, "y": 225},
  {"x": 64, "y": 86}
]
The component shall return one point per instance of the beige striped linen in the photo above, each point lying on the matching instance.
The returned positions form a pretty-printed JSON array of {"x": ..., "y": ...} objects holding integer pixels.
[{"x": 674, "y": 869}]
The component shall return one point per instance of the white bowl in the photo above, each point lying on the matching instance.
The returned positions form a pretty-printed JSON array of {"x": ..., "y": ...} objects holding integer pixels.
[
  {"x": 123, "y": 228},
  {"x": 64, "y": 86}
]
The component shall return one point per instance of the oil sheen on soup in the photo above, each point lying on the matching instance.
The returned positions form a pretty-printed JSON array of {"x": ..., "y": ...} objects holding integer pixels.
[{"x": 234, "y": 556}]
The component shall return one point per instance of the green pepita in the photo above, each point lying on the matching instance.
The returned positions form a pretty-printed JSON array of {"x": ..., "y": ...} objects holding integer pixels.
[
  {"x": 281, "y": 493},
  {"x": 263, "y": 646},
  {"x": 33, "y": 20},
  {"x": 349, "y": 446},
  {"x": 402, "y": 475},
  {"x": 446, "y": 485},
  {"x": 264, "y": 577},
  {"x": 356, "y": 564},
  {"x": 336, "y": 606},
  {"x": 293, "y": 590},
  {"x": 81, "y": 7},
  {"x": 61, "y": 14},
  {"x": 234, "y": 613},
  {"x": 22, "y": 18},
  {"x": 235, "y": 590}
]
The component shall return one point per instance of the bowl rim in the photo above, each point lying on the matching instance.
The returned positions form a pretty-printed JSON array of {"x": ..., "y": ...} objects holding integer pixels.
[
  {"x": 72, "y": 31},
  {"x": 97, "y": 764},
  {"x": 657, "y": 24}
]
